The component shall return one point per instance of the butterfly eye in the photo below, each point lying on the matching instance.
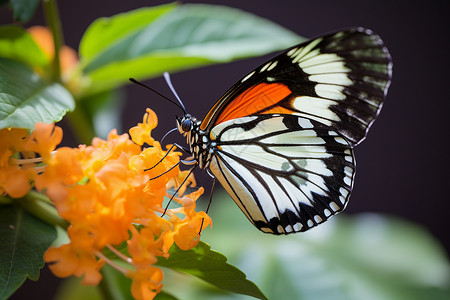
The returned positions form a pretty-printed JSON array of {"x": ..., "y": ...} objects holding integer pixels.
[{"x": 186, "y": 125}]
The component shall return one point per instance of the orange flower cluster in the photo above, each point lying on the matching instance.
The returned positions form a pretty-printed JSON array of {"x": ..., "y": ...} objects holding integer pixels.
[
  {"x": 110, "y": 192},
  {"x": 18, "y": 156}
]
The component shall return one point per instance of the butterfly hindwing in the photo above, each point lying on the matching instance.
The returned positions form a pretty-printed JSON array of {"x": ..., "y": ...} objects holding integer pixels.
[
  {"x": 286, "y": 173},
  {"x": 339, "y": 80}
]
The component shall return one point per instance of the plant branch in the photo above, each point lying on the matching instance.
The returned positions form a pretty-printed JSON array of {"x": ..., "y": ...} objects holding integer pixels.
[
  {"x": 38, "y": 205},
  {"x": 53, "y": 21}
]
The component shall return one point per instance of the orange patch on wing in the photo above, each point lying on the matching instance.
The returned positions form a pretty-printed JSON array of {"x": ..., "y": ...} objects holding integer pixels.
[
  {"x": 255, "y": 100},
  {"x": 277, "y": 110}
]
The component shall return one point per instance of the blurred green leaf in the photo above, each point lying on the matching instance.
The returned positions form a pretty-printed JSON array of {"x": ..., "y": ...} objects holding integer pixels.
[
  {"x": 23, "y": 9},
  {"x": 17, "y": 44},
  {"x": 367, "y": 256},
  {"x": 23, "y": 241},
  {"x": 104, "y": 110},
  {"x": 188, "y": 36},
  {"x": 27, "y": 99},
  {"x": 212, "y": 267},
  {"x": 72, "y": 289},
  {"x": 165, "y": 296},
  {"x": 116, "y": 284}
]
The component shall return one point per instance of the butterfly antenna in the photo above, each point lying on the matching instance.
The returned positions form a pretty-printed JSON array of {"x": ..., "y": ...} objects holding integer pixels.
[
  {"x": 158, "y": 93},
  {"x": 170, "y": 131},
  {"x": 169, "y": 83}
]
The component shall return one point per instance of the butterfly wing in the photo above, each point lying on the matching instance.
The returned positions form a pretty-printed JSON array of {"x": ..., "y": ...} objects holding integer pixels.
[
  {"x": 339, "y": 80},
  {"x": 285, "y": 172}
]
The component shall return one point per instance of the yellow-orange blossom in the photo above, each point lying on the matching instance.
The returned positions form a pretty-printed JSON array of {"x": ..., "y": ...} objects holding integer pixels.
[{"x": 104, "y": 191}]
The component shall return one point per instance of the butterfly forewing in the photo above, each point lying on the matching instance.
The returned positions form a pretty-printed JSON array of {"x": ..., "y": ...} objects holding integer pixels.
[
  {"x": 286, "y": 173},
  {"x": 339, "y": 80}
]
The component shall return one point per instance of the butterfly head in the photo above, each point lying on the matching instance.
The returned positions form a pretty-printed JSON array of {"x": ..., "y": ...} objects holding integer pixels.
[{"x": 185, "y": 124}]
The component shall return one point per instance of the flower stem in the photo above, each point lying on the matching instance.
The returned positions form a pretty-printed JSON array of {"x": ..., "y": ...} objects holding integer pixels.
[
  {"x": 39, "y": 205},
  {"x": 53, "y": 21}
]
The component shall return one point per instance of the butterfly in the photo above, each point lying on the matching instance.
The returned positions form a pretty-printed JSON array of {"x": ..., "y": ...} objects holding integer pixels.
[{"x": 280, "y": 140}]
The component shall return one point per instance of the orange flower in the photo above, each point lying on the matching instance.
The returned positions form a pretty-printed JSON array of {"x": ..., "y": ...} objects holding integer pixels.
[
  {"x": 43, "y": 37},
  {"x": 68, "y": 59},
  {"x": 71, "y": 261},
  {"x": 146, "y": 283},
  {"x": 15, "y": 177},
  {"x": 111, "y": 193},
  {"x": 186, "y": 230},
  {"x": 141, "y": 134},
  {"x": 15, "y": 181},
  {"x": 44, "y": 139}
]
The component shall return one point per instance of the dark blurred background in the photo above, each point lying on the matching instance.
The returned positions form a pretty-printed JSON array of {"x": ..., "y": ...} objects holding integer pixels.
[{"x": 403, "y": 165}]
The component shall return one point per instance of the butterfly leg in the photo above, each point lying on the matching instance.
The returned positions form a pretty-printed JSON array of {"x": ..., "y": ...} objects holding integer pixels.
[
  {"x": 171, "y": 198},
  {"x": 186, "y": 150},
  {"x": 167, "y": 153},
  {"x": 209, "y": 204}
]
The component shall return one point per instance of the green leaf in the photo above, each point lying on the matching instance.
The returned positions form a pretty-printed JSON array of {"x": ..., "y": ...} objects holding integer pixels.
[
  {"x": 212, "y": 267},
  {"x": 26, "y": 98},
  {"x": 104, "y": 32},
  {"x": 188, "y": 36},
  {"x": 24, "y": 9},
  {"x": 365, "y": 257},
  {"x": 23, "y": 241},
  {"x": 17, "y": 44}
]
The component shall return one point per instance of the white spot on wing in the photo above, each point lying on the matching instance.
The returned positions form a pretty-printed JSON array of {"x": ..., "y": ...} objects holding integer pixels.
[
  {"x": 332, "y": 78},
  {"x": 340, "y": 140},
  {"x": 305, "y": 123},
  {"x": 334, "y": 67},
  {"x": 321, "y": 59},
  {"x": 347, "y": 180},
  {"x": 264, "y": 67},
  {"x": 334, "y": 207},
  {"x": 343, "y": 192},
  {"x": 248, "y": 76},
  {"x": 291, "y": 52},
  {"x": 348, "y": 156},
  {"x": 318, "y": 219},
  {"x": 298, "y": 226},
  {"x": 348, "y": 171},
  {"x": 330, "y": 91},
  {"x": 273, "y": 65},
  {"x": 316, "y": 106},
  {"x": 306, "y": 49}
]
